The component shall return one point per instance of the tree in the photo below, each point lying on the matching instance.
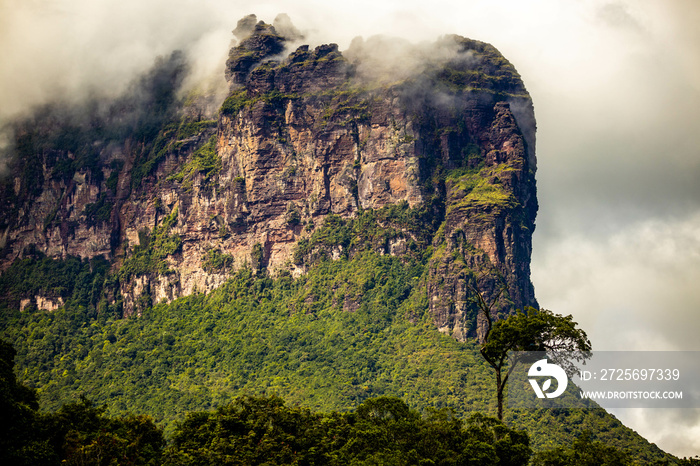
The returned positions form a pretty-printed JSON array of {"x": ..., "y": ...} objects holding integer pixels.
[
  {"x": 84, "y": 435},
  {"x": 78, "y": 433},
  {"x": 511, "y": 447},
  {"x": 529, "y": 331},
  {"x": 383, "y": 430},
  {"x": 18, "y": 414},
  {"x": 250, "y": 430}
]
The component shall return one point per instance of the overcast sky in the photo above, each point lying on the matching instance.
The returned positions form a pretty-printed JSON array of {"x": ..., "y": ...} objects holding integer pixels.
[{"x": 616, "y": 89}]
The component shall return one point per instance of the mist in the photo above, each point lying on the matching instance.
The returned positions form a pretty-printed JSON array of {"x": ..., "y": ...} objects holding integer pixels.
[{"x": 616, "y": 90}]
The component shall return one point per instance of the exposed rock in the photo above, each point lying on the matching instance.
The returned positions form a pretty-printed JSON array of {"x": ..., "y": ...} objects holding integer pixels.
[
  {"x": 261, "y": 41},
  {"x": 43, "y": 303},
  {"x": 299, "y": 138},
  {"x": 24, "y": 303},
  {"x": 245, "y": 27}
]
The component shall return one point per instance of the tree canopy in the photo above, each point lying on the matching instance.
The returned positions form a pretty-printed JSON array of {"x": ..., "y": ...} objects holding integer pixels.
[
  {"x": 383, "y": 430},
  {"x": 517, "y": 338}
]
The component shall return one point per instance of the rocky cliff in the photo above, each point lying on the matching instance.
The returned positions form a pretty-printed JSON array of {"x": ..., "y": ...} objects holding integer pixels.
[{"x": 177, "y": 198}]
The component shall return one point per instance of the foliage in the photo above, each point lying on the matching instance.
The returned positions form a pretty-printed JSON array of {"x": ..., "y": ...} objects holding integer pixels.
[
  {"x": 478, "y": 66},
  {"x": 153, "y": 153},
  {"x": 80, "y": 283},
  {"x": 257, "y": 256},
  {"x": 248, "y": 431},
  {"x": 88, "y": 437},
  {"x": 293, "y": 216},
  {"x": 537, "y": 330},
  {"x": 346, "y": 331},
  {"x": 189, "y": 128},
  {"x": 372, "y": 230},
  {"x": 480, "y": 187},
  {"x": 235, "y": 102},
  {"x": 346, "y": 105},
  {"x": 254, "y": 335},
  {"x": 170, "y": 138},
  {"x": 76, "y": 434},
  {"x": 150, "y": 257},
  {"x": 526, "y": 331},
  {"x": 204, "y": 161},
  {"x": 99, "y": 211},
  {"x": 264, "y": 430},
  {"x": 17, "y": 406},
  {"x": 217, "y": 262},
  {"x": 240, "y": 99},
  {"x": 584, "y": 452},
  {"x": 252, "y": 431},
  {"x": 113, "y": 181}
]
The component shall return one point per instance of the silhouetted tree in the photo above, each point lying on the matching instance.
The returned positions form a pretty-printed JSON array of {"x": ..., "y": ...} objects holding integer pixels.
[{"x": 527, "y": 331}]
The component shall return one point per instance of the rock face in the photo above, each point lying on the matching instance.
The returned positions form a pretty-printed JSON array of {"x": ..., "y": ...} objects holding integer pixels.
[{"x": 301, "y": 136}]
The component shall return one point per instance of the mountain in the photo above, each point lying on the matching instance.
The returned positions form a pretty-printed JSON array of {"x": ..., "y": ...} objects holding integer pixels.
[
  {"x": 319, "y": 234},
  {"x": 297, "y": 140}
]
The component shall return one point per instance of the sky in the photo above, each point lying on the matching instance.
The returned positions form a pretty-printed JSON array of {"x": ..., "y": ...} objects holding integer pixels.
[{"x": 616, "y": 90}]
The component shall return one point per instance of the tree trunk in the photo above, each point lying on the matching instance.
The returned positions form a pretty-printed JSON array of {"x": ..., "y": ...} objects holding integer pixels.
[{"x": 499, "y": 394}]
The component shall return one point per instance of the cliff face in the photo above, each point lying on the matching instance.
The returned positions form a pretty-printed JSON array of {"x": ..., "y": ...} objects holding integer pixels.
[{"x": 301, "y": 137}]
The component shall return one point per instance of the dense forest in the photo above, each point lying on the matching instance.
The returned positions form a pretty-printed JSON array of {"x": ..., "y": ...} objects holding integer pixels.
[{"x": 265, "y": 430}]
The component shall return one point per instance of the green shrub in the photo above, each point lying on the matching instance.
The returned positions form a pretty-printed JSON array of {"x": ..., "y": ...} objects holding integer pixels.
[
  {"x": 215, "y": 261},
  {"x": 204, "y": 161}
]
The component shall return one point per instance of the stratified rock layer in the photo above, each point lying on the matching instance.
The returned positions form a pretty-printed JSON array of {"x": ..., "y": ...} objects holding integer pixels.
[{"x": 301, "y": 136}]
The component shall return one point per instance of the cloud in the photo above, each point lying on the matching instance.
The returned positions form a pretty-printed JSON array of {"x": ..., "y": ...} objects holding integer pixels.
[
  {"x": 80, "y": 48},
  {"x": 633, "y": 290}
]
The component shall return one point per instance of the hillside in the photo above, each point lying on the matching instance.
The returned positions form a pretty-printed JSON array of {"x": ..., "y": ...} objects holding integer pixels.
[{"x": 316, "y": 237}]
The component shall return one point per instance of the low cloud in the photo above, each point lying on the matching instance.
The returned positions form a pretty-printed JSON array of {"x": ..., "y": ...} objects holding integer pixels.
[{"x": 72, "y": 51}]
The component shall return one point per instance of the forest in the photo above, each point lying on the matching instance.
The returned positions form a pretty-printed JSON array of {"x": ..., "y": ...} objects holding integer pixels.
[{"x": 257, "y": 430}]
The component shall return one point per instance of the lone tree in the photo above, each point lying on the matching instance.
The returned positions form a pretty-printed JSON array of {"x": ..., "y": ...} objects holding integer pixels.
[{"x": 529, "y": 330}]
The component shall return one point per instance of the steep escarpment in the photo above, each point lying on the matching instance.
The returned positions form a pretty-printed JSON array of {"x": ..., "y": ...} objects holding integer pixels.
[
  {"x": 309, "y": 136},
  {"x": 178, "y": 199}
]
